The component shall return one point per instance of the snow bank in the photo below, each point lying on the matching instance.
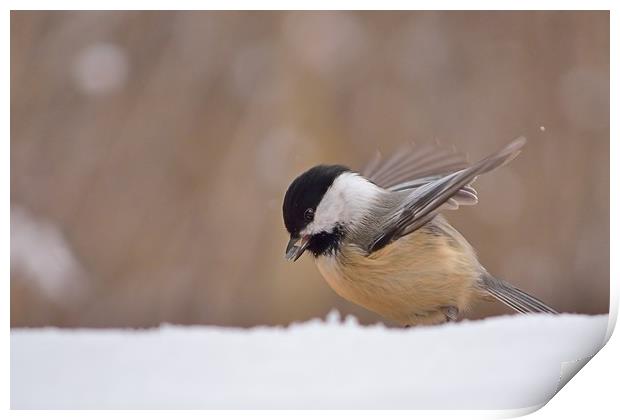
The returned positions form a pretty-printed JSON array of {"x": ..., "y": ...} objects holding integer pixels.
[{"x": 498, "y": 363}]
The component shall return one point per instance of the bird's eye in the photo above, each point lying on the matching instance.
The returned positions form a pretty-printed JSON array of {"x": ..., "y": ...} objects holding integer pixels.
[{"x": 309, "y": 215}]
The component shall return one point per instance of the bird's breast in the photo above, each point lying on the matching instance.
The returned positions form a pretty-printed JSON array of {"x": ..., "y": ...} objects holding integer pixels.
[{"x": 408, "y": 280}]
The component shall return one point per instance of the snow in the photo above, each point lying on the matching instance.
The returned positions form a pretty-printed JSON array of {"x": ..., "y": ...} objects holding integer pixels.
[{"x": 509, "y": 362}]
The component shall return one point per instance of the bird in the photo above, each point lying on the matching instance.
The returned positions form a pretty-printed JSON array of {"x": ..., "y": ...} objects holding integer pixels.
[{"x": 380, "y": 239}]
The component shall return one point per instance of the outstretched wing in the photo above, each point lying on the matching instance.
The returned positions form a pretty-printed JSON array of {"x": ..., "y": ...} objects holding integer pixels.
[
  {"x": 413, "y": 166},
  {"x": 411, "y": 162},
  {"x": 423, "y": 203}
]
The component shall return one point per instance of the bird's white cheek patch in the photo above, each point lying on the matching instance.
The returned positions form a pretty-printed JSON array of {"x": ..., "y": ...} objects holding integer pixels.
[
  {"x": 343, "y": 202},
  {"x": 328, "y": 214},
  {"x": 325, "y": 223}
]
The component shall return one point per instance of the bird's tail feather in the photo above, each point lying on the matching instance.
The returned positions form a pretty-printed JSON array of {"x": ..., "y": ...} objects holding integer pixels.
[{"x": 515, "y": 298}]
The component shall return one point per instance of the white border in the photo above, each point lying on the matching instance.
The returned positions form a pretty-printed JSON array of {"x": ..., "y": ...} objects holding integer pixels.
[
  {"x": 5, "y": 210},
  {"x": 316, "y": 4},
  {"x": 592, "y": 392}
]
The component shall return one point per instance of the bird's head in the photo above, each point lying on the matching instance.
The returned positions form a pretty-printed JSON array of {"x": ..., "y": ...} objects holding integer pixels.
[{"x": 320, "y": 206}]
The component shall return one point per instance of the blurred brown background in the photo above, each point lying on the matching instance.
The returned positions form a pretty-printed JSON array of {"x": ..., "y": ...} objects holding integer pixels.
[{"x": 150, "y": 152}]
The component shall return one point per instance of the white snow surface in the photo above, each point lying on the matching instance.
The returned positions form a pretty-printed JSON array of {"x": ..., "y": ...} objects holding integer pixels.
[{"x": 510, "y": 362}]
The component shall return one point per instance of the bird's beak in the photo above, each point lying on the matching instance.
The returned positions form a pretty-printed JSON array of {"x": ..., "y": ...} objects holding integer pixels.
[{"x": 294, "y": 251}]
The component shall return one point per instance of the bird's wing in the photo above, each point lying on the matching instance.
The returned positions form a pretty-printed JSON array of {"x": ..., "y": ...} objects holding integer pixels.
[
  {"x": 411, "y": 162},
  {"x": 412, "y": 166},
  {"x": 424, "y": 202}
]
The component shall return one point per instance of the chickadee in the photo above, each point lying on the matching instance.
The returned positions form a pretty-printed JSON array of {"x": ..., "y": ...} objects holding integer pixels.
[{"x": 379, "y": 239}]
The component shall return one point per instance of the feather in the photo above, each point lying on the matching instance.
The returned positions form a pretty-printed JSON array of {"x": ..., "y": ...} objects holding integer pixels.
[
  {"x": 411, "y": 162},
  {"x": 511, "y": 296},
  {"x": 412, "y": 167},
  {"x": 424, "y": 202}
]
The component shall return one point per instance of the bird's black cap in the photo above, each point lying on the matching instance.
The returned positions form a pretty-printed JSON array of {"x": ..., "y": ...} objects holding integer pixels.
[{"x": 306, "y": 192}]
